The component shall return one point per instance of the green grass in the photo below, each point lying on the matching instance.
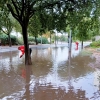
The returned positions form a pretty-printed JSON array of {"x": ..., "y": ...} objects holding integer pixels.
[
  {"x": 85, "y": 53},
  {"x": 95, "y": 44}
]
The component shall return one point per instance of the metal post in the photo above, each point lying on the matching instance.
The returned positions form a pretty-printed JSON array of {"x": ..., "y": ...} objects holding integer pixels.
[
  {"x": 70, "y": 41},
  {"x": 41, "y": 39},
  {"x": 55, "y": 39}
]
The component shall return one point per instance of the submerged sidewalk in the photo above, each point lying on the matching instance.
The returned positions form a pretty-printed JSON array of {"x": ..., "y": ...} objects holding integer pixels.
[
  {"x": 7, "y": 48},
  {"x": 15, "y": 48}
]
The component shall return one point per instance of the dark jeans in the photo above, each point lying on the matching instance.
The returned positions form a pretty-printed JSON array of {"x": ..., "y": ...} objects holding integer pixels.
[{"x": 30, "y": 51}]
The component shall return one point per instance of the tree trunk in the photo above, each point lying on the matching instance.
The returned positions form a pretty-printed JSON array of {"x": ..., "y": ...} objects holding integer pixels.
[
  {"x": 41, "y": 38},
  {"x": 36, "y": 40},
  {"x": 27, "y": 53},
  {"x": 50, "y": 37},
  {"x": 55, "y": 39},
  {"x": 28, "y": 72},
  {"x": 9, "y": 40},
  {"x": 82, "y": 45}
]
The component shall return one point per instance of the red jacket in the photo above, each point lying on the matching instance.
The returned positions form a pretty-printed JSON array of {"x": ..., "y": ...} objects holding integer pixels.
[{"x": 22, "y": 49}]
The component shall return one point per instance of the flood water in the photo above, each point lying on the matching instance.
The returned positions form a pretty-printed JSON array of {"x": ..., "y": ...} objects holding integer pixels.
[{"x": 53, "y": 75}]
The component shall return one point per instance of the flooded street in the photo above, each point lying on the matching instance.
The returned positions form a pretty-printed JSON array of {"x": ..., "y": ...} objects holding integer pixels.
[{"x": 53, "y": 75}]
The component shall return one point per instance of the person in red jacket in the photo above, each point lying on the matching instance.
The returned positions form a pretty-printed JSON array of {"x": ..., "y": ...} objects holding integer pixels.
[
  {"x": 76, "y": 45},
  {"x": 22, "y": 49}
]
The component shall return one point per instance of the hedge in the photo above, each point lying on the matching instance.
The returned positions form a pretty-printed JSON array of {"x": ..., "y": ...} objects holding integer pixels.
[{"x": 4, "y": 39}]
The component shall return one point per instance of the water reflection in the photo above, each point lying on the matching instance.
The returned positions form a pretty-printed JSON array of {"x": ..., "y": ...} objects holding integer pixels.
[
  {"x": 50, "y": 92},
  {"x": 10, "y": 82},
  {"x": 9, "y": 60},
  {"x": 54, "y": 75}
]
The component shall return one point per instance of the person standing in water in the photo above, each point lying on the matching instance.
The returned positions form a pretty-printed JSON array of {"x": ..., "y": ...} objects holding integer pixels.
[{"x": 22, "y": 49}]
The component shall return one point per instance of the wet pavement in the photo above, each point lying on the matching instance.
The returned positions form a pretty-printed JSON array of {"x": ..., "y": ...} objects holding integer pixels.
[
  {"x": 15, "y": 48},
  {"x": 7, "y": 48},
  {"x": 53, "y": 75}
]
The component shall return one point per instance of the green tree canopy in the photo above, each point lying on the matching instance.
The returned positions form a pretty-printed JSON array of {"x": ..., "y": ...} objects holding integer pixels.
[{"x": 23, "y": 10}]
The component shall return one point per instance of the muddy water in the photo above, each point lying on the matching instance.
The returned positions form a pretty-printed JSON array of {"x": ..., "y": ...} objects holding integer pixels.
[{"x": 54, "y": 75}]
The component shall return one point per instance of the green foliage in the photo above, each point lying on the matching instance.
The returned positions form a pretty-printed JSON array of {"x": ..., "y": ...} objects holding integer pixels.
[
  {"x": 16, "y": 25},
  {"x": 31, "y": 39},
  {"x": 23, "y": 11},
  {"x": 14, "y": 40},
  {"x": 34, "y": 25},
  {"x": 50, "y": 14},
  {"x": 4, "y": 39},
  {"x": 83, "y": 28},
  {"x": 93, "y": 39},
  {"x": 56, "y": 37},
  {"x": 6, "y": 20},
  {"x": 20, "y": 41},
  {"x": 44, "y": 40},
  {"x": 95, "y": 44},
  {"x": 85, "y": 53},
  {"x": 63, "y": 38}
]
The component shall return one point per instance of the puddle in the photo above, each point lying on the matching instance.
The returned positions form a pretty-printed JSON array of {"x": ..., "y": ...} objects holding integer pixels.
[{"x": 53, "y": 75}]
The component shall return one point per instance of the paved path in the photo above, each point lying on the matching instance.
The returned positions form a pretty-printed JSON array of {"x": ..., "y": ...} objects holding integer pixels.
[
  {"x": 7, "y": 48},
  {"x": 15, "y": 48}
]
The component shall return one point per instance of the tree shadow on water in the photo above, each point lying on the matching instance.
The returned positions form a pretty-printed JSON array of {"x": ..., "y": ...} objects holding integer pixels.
[{"x": 48, "y": 91}]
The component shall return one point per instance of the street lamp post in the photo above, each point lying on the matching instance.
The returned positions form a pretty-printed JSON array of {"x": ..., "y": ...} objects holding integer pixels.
[{"x": 70, "y": 41}]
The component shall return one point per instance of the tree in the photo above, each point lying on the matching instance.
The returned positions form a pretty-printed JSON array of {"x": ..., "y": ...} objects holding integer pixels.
[
  {"x": 95, "y": 26},
  {"x": 23, "y": 10},
  {"x": 34, "y": 27},
  {"x": 83, "y": 29},
  {"x": 16, "y": 25},
  {"x": 6, "y": 23},
  {"x": 80, "y": 19}
]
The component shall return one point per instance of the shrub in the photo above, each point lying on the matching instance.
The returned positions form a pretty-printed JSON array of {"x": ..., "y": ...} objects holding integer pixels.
[
  {"x": 4, "y": 39},
  {"x": 63, "y": 38},
  {"x": 44, "y": 40},
  {"x": 31, "y": 39},
  {"x": 14, "y": 40},
  {"x": 93, "y": 39},
  {"x": 95, "y": 44}
]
